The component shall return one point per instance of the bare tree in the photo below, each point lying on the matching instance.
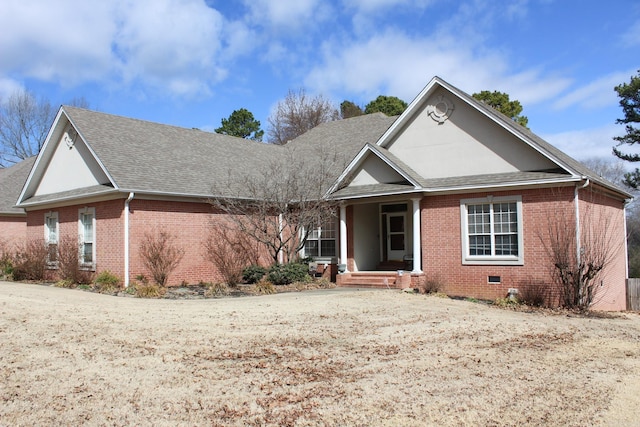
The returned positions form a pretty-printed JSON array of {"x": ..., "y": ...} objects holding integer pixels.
[
  {"x": 298, "y": 113},
  {"x": 579, "y": 251},
  {"x": 24, "y": 123},
  {"x": 279, "y": 205}
]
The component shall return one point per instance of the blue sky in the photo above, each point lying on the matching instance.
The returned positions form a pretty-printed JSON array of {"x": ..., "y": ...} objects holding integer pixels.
[{"x": 191, "y": 63}]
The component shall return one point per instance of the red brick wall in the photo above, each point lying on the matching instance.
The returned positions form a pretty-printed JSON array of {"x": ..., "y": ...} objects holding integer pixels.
[
  {"x": 109, "y": 231},
  {"x": 442, "y": 251},
  {"x": 602, "y": 224},
  {"x": 13, "y": 231},
  {"x": 188, "y": 222}
]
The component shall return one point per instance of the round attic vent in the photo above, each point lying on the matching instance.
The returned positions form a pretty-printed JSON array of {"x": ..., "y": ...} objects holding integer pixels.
[{"x": 441, "y": 109}]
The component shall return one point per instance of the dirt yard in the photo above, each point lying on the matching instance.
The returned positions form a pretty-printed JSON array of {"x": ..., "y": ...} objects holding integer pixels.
[{"x": 328, "y": 358}]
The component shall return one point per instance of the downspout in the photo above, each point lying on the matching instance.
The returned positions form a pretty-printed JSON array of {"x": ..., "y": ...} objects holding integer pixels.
[
  {"x": 577, "y": 206},
  {"x": 126, "y": 238},
  {"x": 578, "y": 241}
]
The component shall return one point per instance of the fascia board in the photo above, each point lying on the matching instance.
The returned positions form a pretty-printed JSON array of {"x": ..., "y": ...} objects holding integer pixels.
[{"x": 357, "y": 160}]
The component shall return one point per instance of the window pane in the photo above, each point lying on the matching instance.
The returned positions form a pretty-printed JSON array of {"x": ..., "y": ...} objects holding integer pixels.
[
  {"x": 87, "y": 252},
  {"x": 397, "y": 242},
  {"x": 480, "y": 245},
  {"x": 329, "y": 230},
  {"x": 311, "y": 248},
  {"x": 328, "y": 248},
  {"x": 396, "y": 224},
  {"x": 507, "y": 244}
]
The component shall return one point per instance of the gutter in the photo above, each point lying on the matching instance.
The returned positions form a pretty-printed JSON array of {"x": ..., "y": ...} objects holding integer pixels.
[{"x": 126, "y": 238}]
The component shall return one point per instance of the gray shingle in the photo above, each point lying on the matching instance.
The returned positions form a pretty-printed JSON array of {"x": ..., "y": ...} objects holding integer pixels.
[{"x": 12, "y": 180}]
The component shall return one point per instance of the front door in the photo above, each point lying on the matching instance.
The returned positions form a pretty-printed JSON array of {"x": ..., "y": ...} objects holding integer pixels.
[{"x": 396, "y": 236}]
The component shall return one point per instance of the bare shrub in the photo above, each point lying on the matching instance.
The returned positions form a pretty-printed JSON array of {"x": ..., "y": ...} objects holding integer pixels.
[
  {"x": 30, "y": 261},
  {"x": 68, "y": 262},
  {"x": 230, "y": 252},
  {"x": 433, "y": 284},
  {"x": 160, "y": 255},
  {"x": 579, "y": 251},
  {"x": 535, "y": 293}
]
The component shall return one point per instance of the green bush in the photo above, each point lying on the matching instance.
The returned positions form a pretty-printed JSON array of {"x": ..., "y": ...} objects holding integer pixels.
[
  {"x": 285, "y": 274},
  {"x": 107, "y": 283},
  {"x": 253, "y": 273}
]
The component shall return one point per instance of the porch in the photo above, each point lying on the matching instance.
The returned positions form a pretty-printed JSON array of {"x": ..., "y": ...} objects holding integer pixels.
[{"x": 380, "y": 245}]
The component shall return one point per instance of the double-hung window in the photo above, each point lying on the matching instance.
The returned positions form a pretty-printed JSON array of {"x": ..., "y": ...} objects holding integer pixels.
[
  {"x": 492, "y": 230},
  {"x": 51, "y": 235},
  {"x": 321, "y": 241},
  {"x": 87, "y": 237}
]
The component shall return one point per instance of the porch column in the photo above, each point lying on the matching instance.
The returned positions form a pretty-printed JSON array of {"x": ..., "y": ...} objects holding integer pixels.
[
  {"x": 343, "y": 236},
  {"x": 417, "y": 238}
]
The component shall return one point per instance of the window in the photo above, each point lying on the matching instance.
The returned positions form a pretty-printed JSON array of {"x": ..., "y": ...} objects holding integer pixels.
[
  {"x": 86, "y": 237},
  {"x": 492, "y": 230},
  {"x": 51, "y": 237},
  {"x": 321, "y": 241}
]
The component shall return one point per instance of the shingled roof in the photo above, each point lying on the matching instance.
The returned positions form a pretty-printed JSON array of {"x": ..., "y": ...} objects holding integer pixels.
[{"x": 11, "y": 181}]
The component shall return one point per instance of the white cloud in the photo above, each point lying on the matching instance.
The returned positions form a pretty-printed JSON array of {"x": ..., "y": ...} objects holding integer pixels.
[
  {"x": 286, "y": 15},
  {"x": 8, "y": 87},
  {"x": 393, "y": 63},
  {"x": 597, "y": 94},
  {"x": 631, "y": 37},
  {"x": 171, "y": 45},
  {"x": 586, "y": 143}
]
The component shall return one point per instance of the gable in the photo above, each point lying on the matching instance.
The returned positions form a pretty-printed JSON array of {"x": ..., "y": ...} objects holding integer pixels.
[
  {"x": 375, "y": 171},
  {"x": 446, "y": 137},
  {"x": 70, "y": 167}
]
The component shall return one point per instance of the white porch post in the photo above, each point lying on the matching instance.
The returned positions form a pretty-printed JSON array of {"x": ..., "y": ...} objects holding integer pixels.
[
  {"x": 343, "y": 236},
  {"x": 417, "y": 238}
]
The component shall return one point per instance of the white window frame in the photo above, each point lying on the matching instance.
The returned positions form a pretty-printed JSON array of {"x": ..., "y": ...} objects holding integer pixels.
[
  {"x": 320, "y": 239},
  {"x": 47, "y": 236},
  {"x": 491, "y": 259},
  {"x": 81, "y": 238}
]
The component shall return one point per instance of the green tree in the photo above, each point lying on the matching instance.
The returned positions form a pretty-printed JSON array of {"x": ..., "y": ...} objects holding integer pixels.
[
  {"x": 350, "y": 109},
  {"x": 389, "y": 105},
  {"x": 629, "y": 94},
  {"x": 500, "y": 101},
  {"x": 241, "y": 123}
]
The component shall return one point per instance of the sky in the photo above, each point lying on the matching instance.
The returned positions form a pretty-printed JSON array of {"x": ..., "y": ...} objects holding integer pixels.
[{"x": 191, "y": 63}]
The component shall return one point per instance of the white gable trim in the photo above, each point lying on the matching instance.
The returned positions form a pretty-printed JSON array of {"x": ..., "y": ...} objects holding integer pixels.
[
  {"x": 60, "y": 124},
  {"x": 422, "y": 97},
  {"x": 359, "y": 159}
]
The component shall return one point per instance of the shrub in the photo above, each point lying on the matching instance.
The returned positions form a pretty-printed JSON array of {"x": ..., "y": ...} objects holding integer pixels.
[
  {"x": 160, "y": 255},
  {"x": 253, "y": 273},
  {"x": 284, "y": 274},
  {"x": 433, "y": 284},
  {"x": 535, "y": 293},
  {"x": 30, "y": 261},
  {"x": 230, "y": 250},
  {"x": 69, "y": 263},
  {"x": 107, "y": 283},
  {"x": 216, "y": 289},
  {"x": 506, "y": 302},
  {"x": 149, "y": 290},
  {"x": 264, "y": 287}
]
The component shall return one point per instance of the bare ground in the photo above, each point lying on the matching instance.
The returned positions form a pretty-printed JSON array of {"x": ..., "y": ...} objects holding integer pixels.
[{"x": 332, "y": 357}]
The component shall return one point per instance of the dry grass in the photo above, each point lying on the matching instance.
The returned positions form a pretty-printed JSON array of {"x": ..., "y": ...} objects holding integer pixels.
[{"x": 336, "y": 357}]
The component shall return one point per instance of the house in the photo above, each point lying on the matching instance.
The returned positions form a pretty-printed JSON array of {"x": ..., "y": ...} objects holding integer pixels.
[
  {"x": 451, "y": 189},
  {"x": 13, "y": 220}
]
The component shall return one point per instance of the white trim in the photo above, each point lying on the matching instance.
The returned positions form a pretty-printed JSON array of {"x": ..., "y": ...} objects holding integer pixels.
[
  {"x": 417, "y": 238},
  {"x": 126, "y": 238},
  {"x": 491, "y": 259},
  {"x": 81, "y": 242},
  {"x": 343, "y": 237}
]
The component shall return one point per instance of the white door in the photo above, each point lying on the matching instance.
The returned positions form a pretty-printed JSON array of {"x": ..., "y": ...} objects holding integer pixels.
[{"x": 396, "y": 236}]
